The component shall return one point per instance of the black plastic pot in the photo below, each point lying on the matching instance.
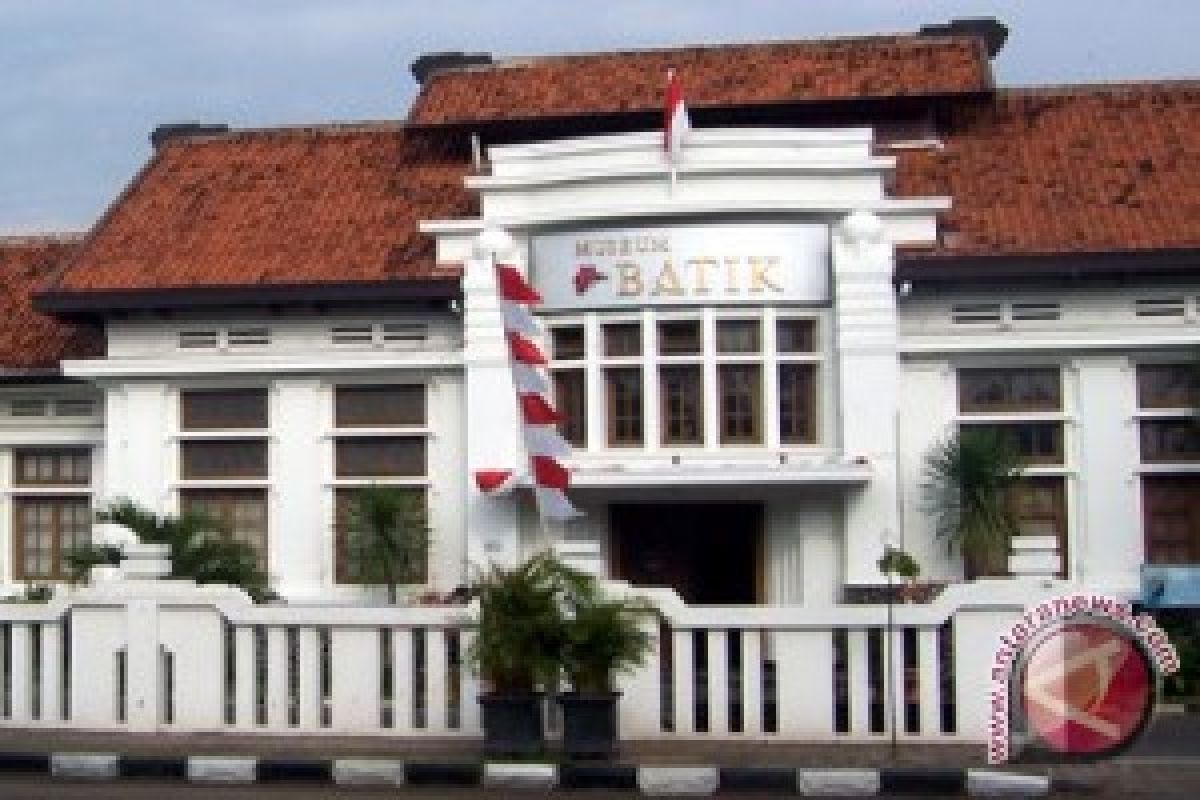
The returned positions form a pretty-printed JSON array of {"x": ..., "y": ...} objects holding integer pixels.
[
  {"x": 589, "y": 724},
  {"x": 512, "y": 724}
]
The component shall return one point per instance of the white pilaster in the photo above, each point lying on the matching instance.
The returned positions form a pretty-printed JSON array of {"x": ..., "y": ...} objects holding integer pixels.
[
  {"x": 298, "y": 565},
  {"x": 490, "y": 421},
  {"x": 139, "y": 461},
  {"x": 868, "y": 369}
]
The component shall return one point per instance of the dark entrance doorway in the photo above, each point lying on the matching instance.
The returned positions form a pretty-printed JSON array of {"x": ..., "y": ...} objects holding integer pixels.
[{"x": 710, "y": 554}]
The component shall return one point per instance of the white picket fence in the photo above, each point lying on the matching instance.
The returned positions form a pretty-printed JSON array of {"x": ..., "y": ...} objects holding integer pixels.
[{"x": 158, "y": 657}]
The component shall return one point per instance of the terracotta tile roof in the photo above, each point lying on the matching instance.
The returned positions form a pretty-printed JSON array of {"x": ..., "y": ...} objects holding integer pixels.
[
  {"x": 743, "y": 74},
  {"x": 30, "y": 340},
  {"x": 1067, "y": 170},
  {"x": 291, "y": 206}
]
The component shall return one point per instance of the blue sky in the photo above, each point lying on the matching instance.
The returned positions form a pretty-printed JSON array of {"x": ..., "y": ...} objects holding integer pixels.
[{"x": 82, "y": 82}]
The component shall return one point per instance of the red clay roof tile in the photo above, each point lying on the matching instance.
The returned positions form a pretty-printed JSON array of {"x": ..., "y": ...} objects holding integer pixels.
[
  {"x": 1068, "y": 169},
  {"x": 289, "y": 206},
  {"x": 1029, "y": 171},
  {"x": 30, "y": 340},
  {"x": 744, "y": 74}
]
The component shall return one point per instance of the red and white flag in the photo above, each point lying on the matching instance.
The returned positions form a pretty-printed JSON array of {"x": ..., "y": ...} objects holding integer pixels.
[
  {"x": 544, "y": 446},
  {"x": 676, "y": 123}
]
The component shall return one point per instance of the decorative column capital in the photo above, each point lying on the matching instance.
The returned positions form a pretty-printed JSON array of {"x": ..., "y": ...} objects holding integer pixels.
[
  {"x": 494, "y": 243},
  {"x": 861, "y": 228}
]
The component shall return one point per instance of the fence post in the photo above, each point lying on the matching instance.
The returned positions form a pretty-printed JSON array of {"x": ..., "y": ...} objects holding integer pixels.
[{"x": 142, "y": 664}]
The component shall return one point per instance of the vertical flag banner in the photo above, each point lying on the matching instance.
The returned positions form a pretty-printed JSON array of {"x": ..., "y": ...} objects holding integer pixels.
[{"x": 544, "y": 445}]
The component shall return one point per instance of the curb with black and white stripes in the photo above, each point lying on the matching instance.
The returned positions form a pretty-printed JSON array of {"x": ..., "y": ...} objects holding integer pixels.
[{"x": 649, "y": 780}]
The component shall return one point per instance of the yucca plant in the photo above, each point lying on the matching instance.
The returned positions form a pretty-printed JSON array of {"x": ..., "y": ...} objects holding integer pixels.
[
  {"x": 969, "y": 477},
  {"x": 386, "y": 536}
]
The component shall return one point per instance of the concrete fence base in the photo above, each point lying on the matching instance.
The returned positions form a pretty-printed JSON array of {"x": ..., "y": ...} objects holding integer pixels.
[{"x": 650, "y": 780}]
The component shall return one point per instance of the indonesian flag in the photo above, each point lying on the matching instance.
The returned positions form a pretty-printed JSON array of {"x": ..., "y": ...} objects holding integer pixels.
[
  {"x": 544, "y": 445},
  {"x": 675, "y": 118},
  {"x": 496, "y": 481}
]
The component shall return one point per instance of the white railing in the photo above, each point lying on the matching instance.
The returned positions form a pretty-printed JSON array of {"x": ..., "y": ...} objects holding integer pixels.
[{"x": 161, "y": 657}]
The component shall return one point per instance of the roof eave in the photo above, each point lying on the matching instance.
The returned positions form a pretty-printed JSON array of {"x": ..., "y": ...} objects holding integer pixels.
[
  {"x": 922, "y": 267},
  {"x": 97, "y": 302}
]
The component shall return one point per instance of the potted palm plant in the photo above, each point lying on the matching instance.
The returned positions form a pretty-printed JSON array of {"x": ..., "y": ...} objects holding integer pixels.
[
  {"x": 604, "y": 636},
  {"x": 969, "y": 477},
  {"x": 520, "y": 629}
]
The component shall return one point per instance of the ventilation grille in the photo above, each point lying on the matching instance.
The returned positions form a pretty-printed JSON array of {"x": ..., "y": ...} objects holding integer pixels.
[
  {"x": 976, "y": 313},
  {"x": 74, "y": 407},
  {"x": 198, "y": 340},
  {"x": 394, "y": 332},
  {"x": 30, "y": 406},
  {"x": 351, "y": 334},
  {"x": 1027, "y": 312},
  {"x": 27, "y": 406},
  {"x": 1160, "y": 307},
  {"x": 388, "y": 333},
  {"x": 249, "y": 337}
]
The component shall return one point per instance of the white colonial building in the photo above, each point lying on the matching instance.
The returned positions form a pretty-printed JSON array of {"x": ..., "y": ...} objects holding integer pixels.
[{"x": 866, "y": 247}]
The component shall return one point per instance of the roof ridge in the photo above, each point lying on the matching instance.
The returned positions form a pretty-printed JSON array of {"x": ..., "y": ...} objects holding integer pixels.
[
  {"x": 1097, "y": 87},
  {"x": 907, "y": 37},
  {"x": 331, "y": 128},
  {"x": 42, "y": 237}
]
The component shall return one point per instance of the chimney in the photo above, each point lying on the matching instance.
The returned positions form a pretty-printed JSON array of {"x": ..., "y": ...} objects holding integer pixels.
[
  {"x": 183, "y": 130},
  {"x": 430, "y": 63},
  {"x": 993, "y": 32}
]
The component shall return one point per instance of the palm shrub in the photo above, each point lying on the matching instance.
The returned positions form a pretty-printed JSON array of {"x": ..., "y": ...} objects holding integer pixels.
[
  {"x": 200, "y": 546},
  {"x": 386, "y": 536},
  {"x": 969, "y": 477},
  {"x": 521, "y": 626},
  {"x": 604, "y": 636}
]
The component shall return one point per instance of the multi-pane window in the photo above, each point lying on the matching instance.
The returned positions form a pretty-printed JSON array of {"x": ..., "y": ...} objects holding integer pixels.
[
  {"x": 797, "y": 403},
  {"x": 222, "y": 459},
  {"x": 680, "y": 381},
  {"x": 1171, "y": 511},
  {"x": 223, "y": 409},
  {"x": 623, "y": 340},
  {"x": 52, "y": 467},
  {"x": 380, "y": 439},
  {"x": 738, "y": 336},
  {"x": 1035, "y": 442},
  {"x": 570, "y": 382},
  {"x": 1024, "y": 404},
  {"x": 47, "y": 525},
  {"x": 241, "y": 513},
  {"x": 380, "y": 457},
  {"x": 223, "y": 441},
  {"x": 570, "y": 395},
  {"x": 689, "y": 378},
  {"x": 624, "y": 395},
  {"x": 348, "y": 569},
  {"x": 1169, "y": 437},
  {"x": 379, "y": 406},
  {"x": 991, "y": 391},
  {"x": 740, "y": 397},
  {"x": 624, "y": 391},
  {"x": 679, "y": 337},
  {"x": 681, "y": 392},
  {"x": 796, "y": 343},
  {"x": 739, "y": 383}
]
